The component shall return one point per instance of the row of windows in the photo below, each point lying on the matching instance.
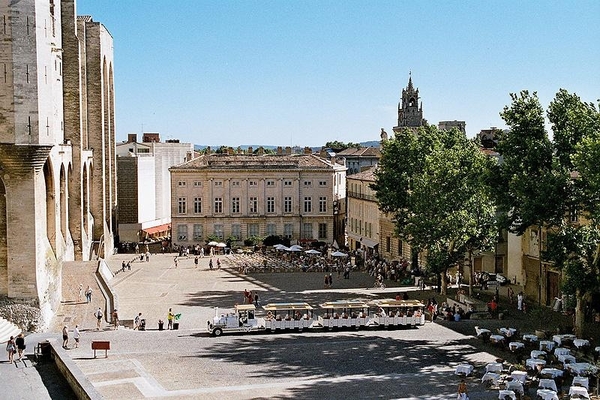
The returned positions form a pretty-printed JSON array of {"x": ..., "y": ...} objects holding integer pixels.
[
  {"x": 360, "y": 227},
  {"x": 182, "y": 205},
  {"x": 269, "y": 183},
  {"x": 251, "y": 229}
]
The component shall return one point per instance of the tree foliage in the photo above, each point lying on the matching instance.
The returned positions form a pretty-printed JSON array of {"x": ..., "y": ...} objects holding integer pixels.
[
  {"x": 432, "y": 182},
  {"x": 551, "y": 183},
  {"x": 339, "y": 146}
]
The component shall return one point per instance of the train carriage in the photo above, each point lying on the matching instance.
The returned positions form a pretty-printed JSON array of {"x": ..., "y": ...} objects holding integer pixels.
[
  {"x": 344, "y": 314},
  {"x": 288, "y": 316},
  {"x": 392, "y": 313}
]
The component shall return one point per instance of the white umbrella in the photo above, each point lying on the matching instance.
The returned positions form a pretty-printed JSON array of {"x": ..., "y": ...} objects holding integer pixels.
[
  {"x": 221, "y": 244},
  {"x": 312, "y": 251},
  {"x": 292, "y": 249},
  {"x": 212, "y": 243},
  {"x": 280, "y": 246},
  {"x": 338, "y": 254},
  {"x": 296, "y": 246}
]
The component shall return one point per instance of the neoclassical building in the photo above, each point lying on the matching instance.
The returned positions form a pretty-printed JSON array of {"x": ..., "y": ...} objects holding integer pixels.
[
  {"x": 236, "y": 196},
  {"x": 57, "y": 160}
]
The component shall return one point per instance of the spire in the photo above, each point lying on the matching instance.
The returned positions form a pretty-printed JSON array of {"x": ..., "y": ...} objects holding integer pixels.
[{"x": 410, "y": 84}]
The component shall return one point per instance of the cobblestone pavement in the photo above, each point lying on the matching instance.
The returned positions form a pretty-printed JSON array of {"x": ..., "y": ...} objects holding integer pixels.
[{"x": 189, "y": 364}]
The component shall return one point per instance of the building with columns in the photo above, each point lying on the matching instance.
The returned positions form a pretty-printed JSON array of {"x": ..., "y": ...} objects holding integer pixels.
[
  {"x": 57, "y": 160},
  {"x": 239, "y": 195}
]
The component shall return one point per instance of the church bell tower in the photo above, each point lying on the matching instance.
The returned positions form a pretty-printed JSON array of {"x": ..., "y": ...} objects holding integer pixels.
[{"x": 410, "y": 112}]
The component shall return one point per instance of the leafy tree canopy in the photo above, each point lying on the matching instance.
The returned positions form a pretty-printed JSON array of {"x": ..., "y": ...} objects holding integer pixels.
[{"x": 339, "y": 146}]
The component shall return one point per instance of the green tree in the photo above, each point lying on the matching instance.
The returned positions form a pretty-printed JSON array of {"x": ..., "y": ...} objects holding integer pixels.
[
  {"x": 339, "y": 146},
  {"x": 433, "y": 183},
  {"x": 544, "y": 183}
]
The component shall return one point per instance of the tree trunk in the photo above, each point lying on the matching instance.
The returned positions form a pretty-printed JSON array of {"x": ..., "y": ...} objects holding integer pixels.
[
  {"x": 444, "y": 284},
  {"x": 579, "y": 317},
  {"x": 470, "y": 273}
]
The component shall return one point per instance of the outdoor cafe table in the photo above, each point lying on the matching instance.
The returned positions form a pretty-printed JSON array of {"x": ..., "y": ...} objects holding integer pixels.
[
  {"x": 508, "y": 332},
  {"x": 582, "y": 368},
  {"x": 579, "y": 343},
  {"x": 547, "y": 394},
  {"x": 520, "y": 376},
  {"x": 547, "y": 384},
  {"x": 581, "y": 381},
  {"x": 493, "y": 367},
  {"x": 464, "y": 369},
  {"x": 502, "y": 394},
  {"x": 496, "y": 338},
  {"x": 515, "y": 345},
  {"x": 566, "y": 358},
  {"x": 579, "y": 391},
  {"x": 491, "y": 376},
  {"x": 552, "y": 372},
  {"x": 547, "y": 345},
  {"x": 561, "y": 350},
  {"x": 532, "y": 363},
  {"x": 530, "y": 338},
  {"x": 559, "y": 338},
  {"x": 515, "y": 386},
  {"x": 538, "y": 353}
]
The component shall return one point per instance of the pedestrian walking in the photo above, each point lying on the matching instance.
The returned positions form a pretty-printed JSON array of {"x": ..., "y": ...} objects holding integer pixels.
[
  {"x": 123, "y": 266},
  {"x": 175, "y": 261},
  {"x": 462, "y": 391},
  {"x": 115, "y": 319},
  {"x": 98, "y": 314},
  {"x": 210, "y": 264},
  {"x": 76, "y": 335},
  {"x": 20, "y": 343},
  {"x": 520, "y": 301},
  {"x": 10, "y": 349},
  {"x": 137, "y": 321},
  {"x": 65, "y": 335},
  {"x": 88, "y": 294}
]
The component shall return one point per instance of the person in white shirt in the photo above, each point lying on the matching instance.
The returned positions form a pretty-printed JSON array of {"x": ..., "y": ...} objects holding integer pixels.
[{"x": 76, "y": 335}]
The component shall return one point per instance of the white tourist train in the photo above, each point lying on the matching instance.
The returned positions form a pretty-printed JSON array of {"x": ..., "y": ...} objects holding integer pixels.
[{"x": 341, "y": 314}]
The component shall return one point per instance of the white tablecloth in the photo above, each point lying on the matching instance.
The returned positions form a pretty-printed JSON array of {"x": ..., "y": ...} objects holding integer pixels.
[
  {"x": 566, "y": 358},
  {"x": 508, "y": 332},
  {"x": 493, "y": 367},
  {"x": 552, "y": 372},
  {"x": 581, "y": 381},
  {"x": 490, "y": 376},
  {"x": 520, "y": 376},
  {"x": 548, "y": 384},
  {"x": 579, "y": 390},
  {"x": 547, "y": 345},
  {"x": 482, "y": 331},
  {"x": 515, "y": 386},
  {"x": 530, "y": 338},
  {"x": 515, "y": 345},
  {"x": 547, "y": 394},
  {"x": 582, "y": 368},
  {"x": 581, "y": 342},
  {"x": 532, "y": 363},
  {"x": 496, "y": 338},
  {"x": 464, "y": 369},
  {"x": 538, "y": 353},
  {"x": 561, "y": 350},
  {"x": 559, "y": 338},
  {"x": 503, "y": 394}
]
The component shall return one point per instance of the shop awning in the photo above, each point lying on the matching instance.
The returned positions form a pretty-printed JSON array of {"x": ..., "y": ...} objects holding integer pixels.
[
  {"x": 363, "y": 240},
  {"x": 157, "y": 229}
]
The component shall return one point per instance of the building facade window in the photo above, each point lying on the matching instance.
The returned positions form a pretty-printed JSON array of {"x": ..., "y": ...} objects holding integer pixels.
[
  {"x": 287, "y": 183},
  {"x": 253, "y": 205},
  {"x": 197, "y": 183},
  {"x": 270, "y": 205},
  {"x": 198, "y": 232},
  {"x": 288, "y": 230},
  {"x": 388, "y": 244},
  {"x": 236, "y": 231},
  {"x": 307, "y": 183},
  {"x": 307, "y": 230},
  {"x": 182, "y": 232},
  {"x": 235, "y": 205},
  {"x": 271, "y": 229},
  {"x": 218, "y": 183},
  {"x": 235, "y": 183},
  {"x": 218, "y": 231},
  {"x": 322, "y": 183},
  {"x": 270, "y": 183},
  {"x": 181, "y": 183},
  {"x": 322, "y": 204},
  {"x": 287, "y": 204},
  {"x": 253, "y": 183},
  {"x": 197, "y": 205},
  {"x": 322, "y": 231},
  {"x": 181, "y": 205},
  {"x": 308, "y": 204},
  {"x": 253, "y": 230},
  {"x": 218, "y": 205}
]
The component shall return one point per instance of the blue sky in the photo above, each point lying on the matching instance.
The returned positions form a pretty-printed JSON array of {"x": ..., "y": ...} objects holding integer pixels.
[{"x": 307, "y": 72}]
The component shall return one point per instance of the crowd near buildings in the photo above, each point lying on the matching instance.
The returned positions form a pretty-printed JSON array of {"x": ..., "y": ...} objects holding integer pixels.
[{"x": 77, "y": 194}]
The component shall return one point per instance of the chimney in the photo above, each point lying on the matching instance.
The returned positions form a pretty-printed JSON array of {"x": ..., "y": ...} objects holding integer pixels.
[
  {"x": 249, "y": 151},
  {"x": 323, "y": 153},
  {"x": 261, "y": 151},
  {"x": 307, "y": 150},
  {"x": 230, "y": 151},
  {"x": 279, "y": 150},
  {"x": 131, "y": 138},
  {"x": 288, "y": 151}
]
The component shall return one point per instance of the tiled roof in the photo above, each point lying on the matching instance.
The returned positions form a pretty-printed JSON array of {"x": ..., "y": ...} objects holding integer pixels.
[
  {"x": 360, "y": 152},
  {"x": 267, "y": 161},
  {"x": 367, "y": 175}
]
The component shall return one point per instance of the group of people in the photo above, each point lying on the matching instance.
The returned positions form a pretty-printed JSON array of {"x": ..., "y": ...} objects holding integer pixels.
[
  {"x": 15, "y": 346},
  {"x": 65, "y": 336},
  {"x": 251, "y": 298}
]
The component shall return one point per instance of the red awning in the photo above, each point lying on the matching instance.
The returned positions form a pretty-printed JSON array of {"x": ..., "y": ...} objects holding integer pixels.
[{"x": 157, "y": 229}]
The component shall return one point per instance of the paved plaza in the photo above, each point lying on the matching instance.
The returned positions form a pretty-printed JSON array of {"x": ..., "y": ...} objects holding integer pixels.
[{"x": 189, "y": 364}]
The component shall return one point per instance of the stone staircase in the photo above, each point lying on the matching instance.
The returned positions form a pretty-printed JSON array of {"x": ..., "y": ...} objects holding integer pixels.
[{"x": 8, "y": 329}]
